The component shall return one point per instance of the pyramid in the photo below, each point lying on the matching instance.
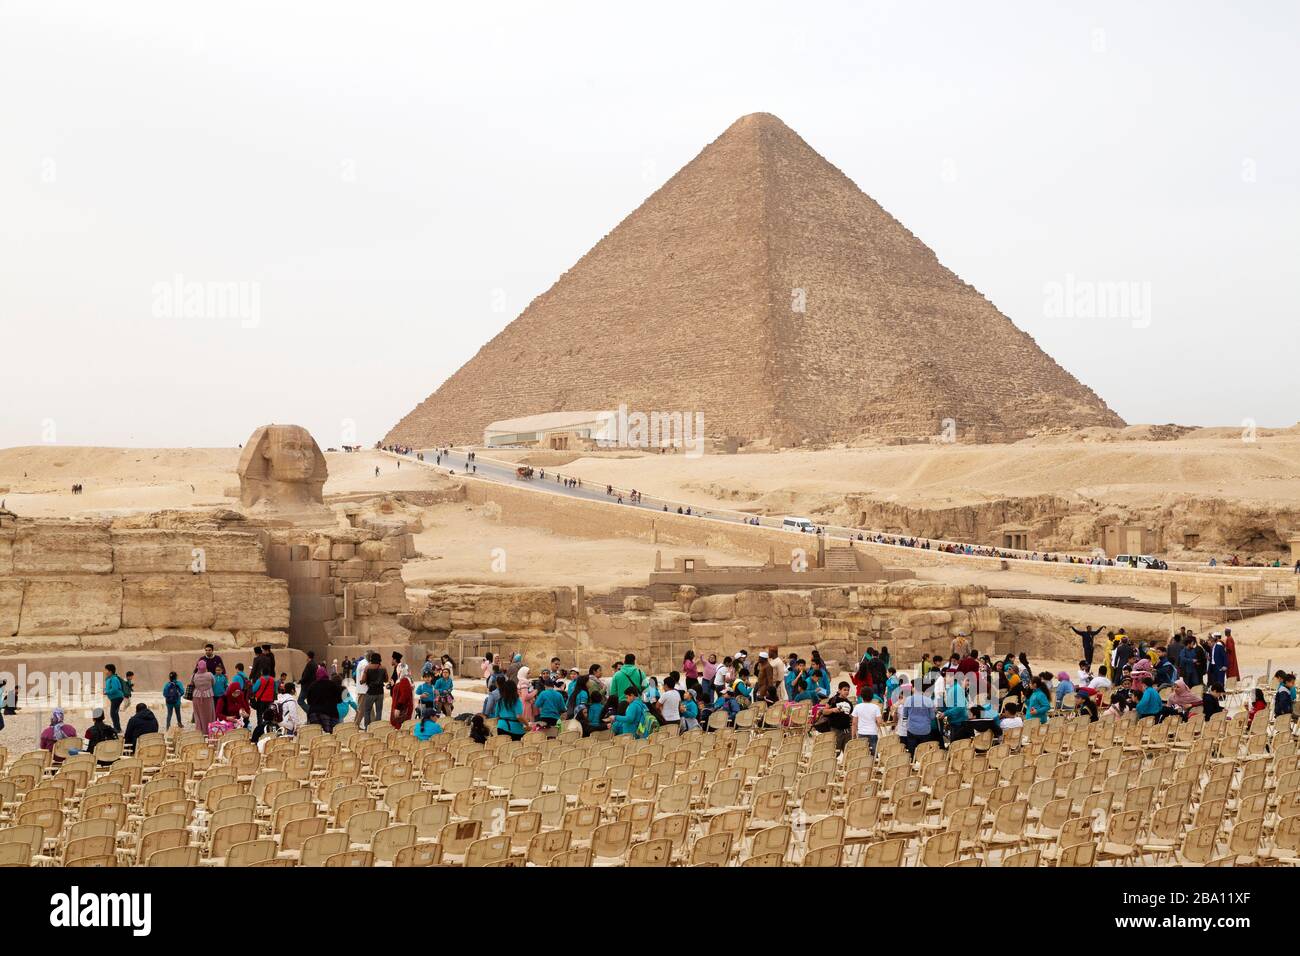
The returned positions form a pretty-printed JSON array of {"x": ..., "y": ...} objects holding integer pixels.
[{"x": 692, "y": 303}]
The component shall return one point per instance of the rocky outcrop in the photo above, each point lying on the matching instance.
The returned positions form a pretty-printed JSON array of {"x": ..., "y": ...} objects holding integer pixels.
[{"x": 97, "y": 583}]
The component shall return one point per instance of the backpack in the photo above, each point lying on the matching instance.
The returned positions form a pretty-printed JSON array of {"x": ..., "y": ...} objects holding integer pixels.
[
  {"x": 172, "y": 692},
  {"x": 648, "y": 725}
]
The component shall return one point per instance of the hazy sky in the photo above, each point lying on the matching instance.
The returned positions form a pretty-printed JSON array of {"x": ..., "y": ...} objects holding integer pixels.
[{"x": 386, "y": 185}]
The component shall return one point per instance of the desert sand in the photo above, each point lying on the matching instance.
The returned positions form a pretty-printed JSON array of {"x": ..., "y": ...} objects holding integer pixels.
[
  {"x": 35, "y": 481},
  {"x": 1133, "y": 472}
]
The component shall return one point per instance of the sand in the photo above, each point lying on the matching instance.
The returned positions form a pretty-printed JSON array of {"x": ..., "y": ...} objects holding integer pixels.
[
  {"x": 36, "y": 481},
  {"x": 1128, "y": 473},
  {"x": 459, "y": 542}
]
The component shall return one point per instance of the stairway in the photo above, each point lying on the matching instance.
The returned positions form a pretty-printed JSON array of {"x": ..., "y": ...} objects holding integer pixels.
[{"x": 841, "y": 559}]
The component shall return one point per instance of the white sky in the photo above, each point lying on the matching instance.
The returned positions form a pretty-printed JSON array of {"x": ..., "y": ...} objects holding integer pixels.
[{"x": 384, "y": 173}]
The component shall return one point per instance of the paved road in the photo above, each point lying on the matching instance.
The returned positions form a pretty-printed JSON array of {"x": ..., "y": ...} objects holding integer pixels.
[
  {"x": 552, "y": 481},
  {"x": 456, "y": 462}
]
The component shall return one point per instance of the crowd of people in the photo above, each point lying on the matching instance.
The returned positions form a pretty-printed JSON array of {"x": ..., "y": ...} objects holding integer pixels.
[{"x": 945, "y": 699}]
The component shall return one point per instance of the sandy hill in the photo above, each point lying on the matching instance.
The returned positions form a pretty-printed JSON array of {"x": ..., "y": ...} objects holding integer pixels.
[
  {"x": 36, "y": 480},
  {"x": 760, "y": 286},
  {"x": 1130, "y": 472}
]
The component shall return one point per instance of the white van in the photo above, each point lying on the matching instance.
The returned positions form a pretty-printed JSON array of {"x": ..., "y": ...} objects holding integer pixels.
[{"x": 798, "y": 524}]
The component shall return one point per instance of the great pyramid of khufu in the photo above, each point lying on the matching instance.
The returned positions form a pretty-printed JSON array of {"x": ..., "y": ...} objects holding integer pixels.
[{"x": 761, "y": 287}]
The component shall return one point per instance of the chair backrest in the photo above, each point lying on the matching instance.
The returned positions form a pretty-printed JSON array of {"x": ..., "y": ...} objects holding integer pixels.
[
  {"x": 544, "y": 846},
  {"x": 234, "y": 833},
  {"x": 418, "y": 854},
  {"x": 387, "y": 842},
  {"x": 251, "y": 852},
  {"x": 888, "y": 853},
  {"x": 351, "y": 858},
  {"x": 317, "y": 849},
  {"x": 487, "y": 850},
  {"x": 185, "y": 855}
]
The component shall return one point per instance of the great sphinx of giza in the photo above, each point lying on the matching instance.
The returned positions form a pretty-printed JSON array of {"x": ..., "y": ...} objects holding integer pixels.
[{"x": 282, "y": 469}]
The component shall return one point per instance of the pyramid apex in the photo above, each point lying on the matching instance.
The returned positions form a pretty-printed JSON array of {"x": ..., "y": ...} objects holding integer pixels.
[{"x": 770, "y": 120}]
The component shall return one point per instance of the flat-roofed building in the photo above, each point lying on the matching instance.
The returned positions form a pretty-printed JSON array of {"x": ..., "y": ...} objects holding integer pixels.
[{"x": 561, "y": 431}]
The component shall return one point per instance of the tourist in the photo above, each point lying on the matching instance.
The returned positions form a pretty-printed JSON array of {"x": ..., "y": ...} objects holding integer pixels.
[
  {"x": 764, "y": 679},
  {"x": 1183, "y": 700},
  {"x": 478, "y": 730},
  {"x": 370, "y": 705},
  {"x": 527, "y": 696},
  {"x": 1150, "y": 704},
  {"x": 628, "y": 677},
  {"x": 1284, "y": 698},
  {"x": 307, "y": 678},
  {"x": 219, "y": 681},
  {"x": 57, "y": 730},
  {"x": 867, "y": 719},
  {"x": 233, "y": 704},
  {"x": 173, "y": 693},
  {"x": 447, "y": 666},
  {"x": 324, "y": 698},
  {"x": 204, "y": 711},
  {"x": 262, "y": 694},
  {"x": 1260, "y": 703},
  {"x": 837, "y": 715},
  {"x": 1230, "y": 646},
  {"x": 778, "y": 672},
  {"x": 427, "y": 726},
  {"x": 1039, "y": 703},
  {"x": 1086, "y": 637},
  {"x": 550, "y": 704},
  {"x": 690, "y": 712},
  {"x": 211, "y": 659},
  {"x": 691, "y": 671},
  {"x": 115, "y": 692},
  {"x": 346, "y": 702},
  {"x": 707, "y": 672},
  {"x": 917, "y": 714},
  {"x": 487, "y": 664},
  {"x": 99, "y": 732},
  {"x": 1212, "y": 703},
  {"x": 669, "y": 711},
  {"x": 425, "y": 695},
  {"x": 403, "y": 698},
  {"x": 241, "y": 675},
  {"x": 443, "y": 687},
  {"x": 633, "y": 718},
  {"x": 1217, "y": 671},
  {"x": 142, "y": 722},
  {"x": 508, "y": 711},
  {"x": 1011, "y": 719}
]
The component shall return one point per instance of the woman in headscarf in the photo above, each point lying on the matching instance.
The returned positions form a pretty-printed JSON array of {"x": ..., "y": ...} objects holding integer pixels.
[
  {"x": 233, "y": 704},
  {"x": 1234, "y": 672},
  {"x": 528, "y": 697},
  {"x": 205, "y": 708},
  {"x": 1183, "y": 699},
  {"x": 403, "y": 704},
  {"x": 56, "y": 731},
  {"x": 1140, "y": 670}
]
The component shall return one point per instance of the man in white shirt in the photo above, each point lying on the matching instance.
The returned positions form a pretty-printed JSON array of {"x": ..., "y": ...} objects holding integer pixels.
[
  {"x": 670, "y": 702},
  {"x": 866, "y": 723},
  {"x": 778, "y": 672}
]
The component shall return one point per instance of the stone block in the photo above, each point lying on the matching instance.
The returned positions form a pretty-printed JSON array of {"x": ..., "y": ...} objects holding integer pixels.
[
  {"x": 638, "y": 602},
  {"x": 154, "y": 551},
  {"x": 249, "y": 602},
  {"x": 50, "y": 548},
  {"x": 72, "y": 604},
  {"x": 167, "y": 600},
  {"x": 11, "y": 602},
  {"x": 342, "y": 551}
]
